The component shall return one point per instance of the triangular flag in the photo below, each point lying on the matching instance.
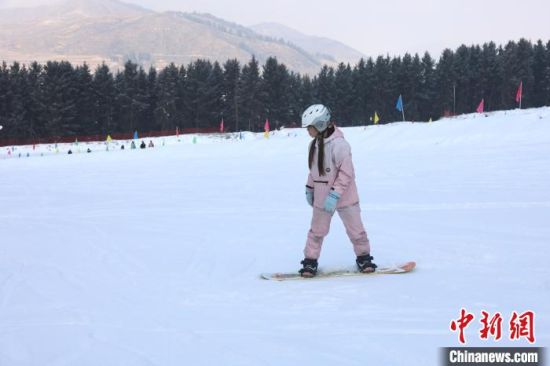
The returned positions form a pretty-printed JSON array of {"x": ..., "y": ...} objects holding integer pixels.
[
  {"x": 109, "y": 138},
  {"x": 399, "y": 104},
  {"x": 430, "y": 120},
  {"x": 481, "y": 106},
  {"x": 266, "y": 128},
  {"x": 135, "y": 135},
  {"x": 519, "y": 93},
  {"x": 376, "y": 119},
  {"x": 221, "y": 126}
]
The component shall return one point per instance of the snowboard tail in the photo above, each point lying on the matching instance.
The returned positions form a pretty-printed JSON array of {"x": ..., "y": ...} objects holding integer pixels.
[{"x": 394, "y": 269}]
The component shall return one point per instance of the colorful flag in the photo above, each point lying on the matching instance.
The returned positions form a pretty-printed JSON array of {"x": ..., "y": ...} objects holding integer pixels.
[
  {"x": 519, "y": 92},
  {"x": 376, "y": 119},
  {"x": 221, "y": 126},
  {"x": 480, "y": 107},
  {"x": 109, "y": 139},
  {"x": 399, "y": 104}
]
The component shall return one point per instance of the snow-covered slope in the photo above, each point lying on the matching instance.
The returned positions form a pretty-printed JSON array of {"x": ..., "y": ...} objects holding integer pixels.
[{"x": 151, "y": 257}]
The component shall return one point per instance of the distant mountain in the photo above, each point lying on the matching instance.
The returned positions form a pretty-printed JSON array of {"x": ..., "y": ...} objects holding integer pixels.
[
  {"x": 324, "y": 49},
  {"x": 111, "y": 31}
]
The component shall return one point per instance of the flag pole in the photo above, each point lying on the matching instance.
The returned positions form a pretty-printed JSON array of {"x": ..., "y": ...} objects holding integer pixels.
[
  {"x": 403, "y": 111},
  {"x": 520, "y": 97}
]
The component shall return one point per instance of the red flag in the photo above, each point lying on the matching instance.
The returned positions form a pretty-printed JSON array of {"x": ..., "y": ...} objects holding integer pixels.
[
  {"x": 266, "y": 126},
  {"x": 480, "y": 106},
  {"x": 221, "y": 126},
  {"x": 519, "y": 92}
]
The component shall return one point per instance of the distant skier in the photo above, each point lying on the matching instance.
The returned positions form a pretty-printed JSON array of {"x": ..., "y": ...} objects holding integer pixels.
[
  {"x": 151, "y": 144},
  {"x": 331, "y": 187},
  {"x": 142, "y": 146}
]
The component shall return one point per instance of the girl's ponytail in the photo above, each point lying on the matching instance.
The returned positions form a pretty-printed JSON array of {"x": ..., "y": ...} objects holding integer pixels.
[{"x": 320, "y": 157}]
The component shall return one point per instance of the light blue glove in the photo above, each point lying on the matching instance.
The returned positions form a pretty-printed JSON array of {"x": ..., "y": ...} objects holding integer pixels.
[
  {"x": 309, "y": 195},
  {"x": 331, "y": 201}
]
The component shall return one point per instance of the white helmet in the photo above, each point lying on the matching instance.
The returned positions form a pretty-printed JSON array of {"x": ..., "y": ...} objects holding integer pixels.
[{"x": 316, "y": 115}]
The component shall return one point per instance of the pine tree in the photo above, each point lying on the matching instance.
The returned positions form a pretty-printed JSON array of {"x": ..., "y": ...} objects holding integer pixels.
[
  {"x": 145, "y": 99},
  {"x": 34, "y": 102},
  {"x": 196, "y": 93},
  {"x": 383, "y": 92},
  {"x": 232, "y": 99},
  {"x": 324, "y": 86},
  {"x": 546, "y": 83},
  {"x": 297, "y": 99},
  {"x": 491, "y": 73},
  {"x": 363, "y": 85},
  {"x": 60, "y": 99},
  {"x": 465, "y": 103},
  {"x": 251, "y": 93},
  {"x": 477, "y": 83},
  {"x": 445, "y": 83},
  {"x": 275, "y": 92},
  {"x": 426, "y": 90},
  {"x": 167, "y": 92},
  {"x": 103, "y": 88},
  {"x": 342, "y": 107},
  {"x": 13, "y": 113},
  {"x": 214, "y": 96},
  {"x": 540, "y": 70},
  {"x": 85, "y": 108}
]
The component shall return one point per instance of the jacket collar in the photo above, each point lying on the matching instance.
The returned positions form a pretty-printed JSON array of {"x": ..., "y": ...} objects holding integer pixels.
[{"x": 335, "y": 135}]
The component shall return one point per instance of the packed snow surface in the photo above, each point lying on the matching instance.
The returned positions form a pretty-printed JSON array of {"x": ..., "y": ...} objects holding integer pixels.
[{"x": 152, "y": 257}]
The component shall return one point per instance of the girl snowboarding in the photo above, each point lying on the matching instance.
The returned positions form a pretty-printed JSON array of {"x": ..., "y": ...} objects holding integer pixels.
[{"x": 331, "y": 187}]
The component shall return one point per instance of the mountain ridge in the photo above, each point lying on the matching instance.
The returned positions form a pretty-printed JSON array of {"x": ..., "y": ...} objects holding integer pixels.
[{"x": 112, "y": 32}]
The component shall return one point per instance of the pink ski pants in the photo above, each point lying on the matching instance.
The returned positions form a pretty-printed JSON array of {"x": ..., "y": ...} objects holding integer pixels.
[{"x": 320, "y": 226}]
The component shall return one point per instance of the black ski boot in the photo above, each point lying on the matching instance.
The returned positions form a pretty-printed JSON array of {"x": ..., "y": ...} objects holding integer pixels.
[
  {"x": 364, "y": 263},
  {"x": 310, "y": 268}
]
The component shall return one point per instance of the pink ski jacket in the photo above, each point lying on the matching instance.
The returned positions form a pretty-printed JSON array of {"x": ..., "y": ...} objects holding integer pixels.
[{"x": 339, "y": 173}]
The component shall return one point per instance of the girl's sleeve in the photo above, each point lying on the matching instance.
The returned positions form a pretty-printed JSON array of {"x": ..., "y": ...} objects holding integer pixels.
[
  {"x": 345, "y": 173},
  {"x": 309, "y": 180}
]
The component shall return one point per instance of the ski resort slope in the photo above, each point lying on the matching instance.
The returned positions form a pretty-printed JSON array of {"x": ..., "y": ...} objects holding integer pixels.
[{"x": 152, "y": 257}]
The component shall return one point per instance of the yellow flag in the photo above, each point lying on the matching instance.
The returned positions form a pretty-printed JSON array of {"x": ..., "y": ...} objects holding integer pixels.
[
  {"x": 109, "y": 138},
  {"x": 376, "y": 119}
]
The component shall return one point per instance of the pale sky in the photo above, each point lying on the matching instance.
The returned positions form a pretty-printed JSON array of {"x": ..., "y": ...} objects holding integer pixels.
[{"x": 376, "y": 27}]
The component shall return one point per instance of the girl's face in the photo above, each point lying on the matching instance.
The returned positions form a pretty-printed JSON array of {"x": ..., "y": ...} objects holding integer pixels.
[{"x": 312, "y": 131}]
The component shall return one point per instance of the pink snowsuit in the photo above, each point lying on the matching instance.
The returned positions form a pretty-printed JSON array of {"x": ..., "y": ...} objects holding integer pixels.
[{"x": 340, "y": 176}]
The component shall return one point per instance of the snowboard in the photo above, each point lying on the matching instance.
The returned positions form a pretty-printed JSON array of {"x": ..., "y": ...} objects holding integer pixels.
[{"x": 393, "y": 269}]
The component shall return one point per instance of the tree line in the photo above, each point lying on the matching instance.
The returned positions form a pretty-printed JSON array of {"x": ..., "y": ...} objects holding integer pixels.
[{"x": 59, "y": 99}]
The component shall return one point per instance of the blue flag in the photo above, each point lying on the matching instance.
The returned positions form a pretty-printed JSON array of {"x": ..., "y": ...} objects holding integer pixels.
[{"x": 399, "y": 104}]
